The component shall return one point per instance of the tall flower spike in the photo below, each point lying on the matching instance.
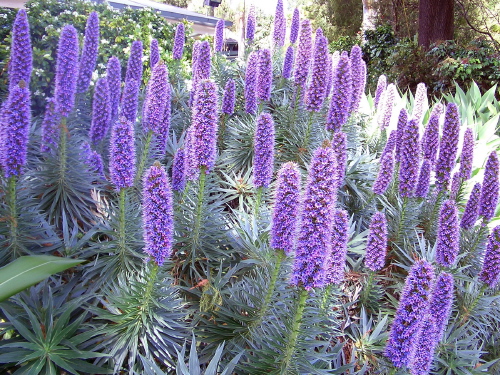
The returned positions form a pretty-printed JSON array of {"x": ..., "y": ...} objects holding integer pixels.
[
  {"x": 130, "y": 100},
  {"x": 162, "y": 135},
  {"x": 178, "y": 42},
  {"x": 467, "y": 155},
  {"x": 376, "y": 246},
  {"x": 471, "y": 211},
  {"x": 122, "y": 154},
  {"x": 441, "y": 301},
  {"x": 286, "y": 208},
  {"x": 202, "y": 67},
  {"x": 385, "y": 172},
  {"x": 264, "y": 75},
  {"x": 156, "y": 99},
  {"x": 430, "y": 140},
  {"x": 408, "y": 171},
  {"x": 388, "y": 104},
  {"x": 448, "y": 236},
  {"x": 317, "y": 213},
  {"x": 489, "y": 193},
  {"x": 358, "y": 68},
  {"x": 339, "y": 146},
  {"x": 448, "y": 147},
  {"x": 50, "y": 127},
  {"x": 203, "y": 148},
  {"x": 219, "y": 36},
  {"x": 114, "y": 78},
  {"x": 390, "y": 146},
  {"x": 134, "y": 65},
  {"x": 424, "y": 179},
  {"x": 329, "y": 75},
  {"x": 190, "y": 163},
  {"x": 294, "y": 27},
  {"x": 16, "y": 123},
  {"x": 425, "y": 345},
  {"x": 341, "y": 96},
  {"x": 154, "y": 53},
  {"x": 92, "y": 159},
  {"x": 336, "y": 259},
  {"x": 158, "y": 214},
  {"x": 66, "y": 70},
  {"x": 288, "y": 62},
  {"x": 316, "y": 92},
  {"x": 251, "y": 22},
  {"x": 381, "y": 86},
  {"x": 251, "y": 83},
  {"x": 400, "y": 130},
  {"x": 303, "y": 61},
  {"x": 413, "y": 304},
  {"x": 263, "y": 163},
  {"x": 279, "y": 25},
  {"x": 179, "y": 171},
  {"x": 21, "y": 58},
  {"x": 89, "y": 53},
  {"x": 229, "y": 97},
  {"x": 490, "y": 274},
  {"x": 419, "y": 102},
  {"x": 101, "y": 112},
  {"x": 455, "y": 185}
]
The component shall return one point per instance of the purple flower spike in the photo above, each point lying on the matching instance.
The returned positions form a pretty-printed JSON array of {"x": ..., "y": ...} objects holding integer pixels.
[
  {"x": 156, "y": 99},
  {"x": 490, "y": 274},
  {"x": 419, "y": 101},
  {"x": 202, "y": 67},
  {"x": 400, "y": 130},
  {"x": 279, "y": 25},
  {"x": 424, "y": 179},
  {"x": 448, "y": 147},
  {"x": 157, "y": 214},
  {"x": 286, "y": 208},
  {"x": 114, "y": 78},
  {"x": 134, "y": 66},
  {"x": 455, "y": 185},
  {"x": 329, "y": 75},
  {"x": 339, "y": 146},
  {"x": 122, "y": 154},
  {"x": 190, "y": 164},
  {"x": 219, "y": 36},
  {"x": 264, "y": 75},
  {"x": 316, "y": 92},
  {"x": 341, "y": 96},
  {"x": 376, "y": 246},
  {"x": 317, "y": 214},
  {"x": 251, "y": 22},
  {"x": 89, "y": 53},
  {"x": 303, "y": 54},
  {"x": 471, "y": 211},
  {"x": 16, "y": 123},
  {"x": 467, "y": 155},
  {"x": 381, "y": 86},
  {"x": 203, "y": 148},
  {"x": 448, "y": 237},
  {"x": 425, "y": 345},
  {"x": 178, "y": 42},
  {"x": 101, "y": 112},
  {"x": 92, "y": 159},
  {"x": 386, "y": 113},
  {"x": 358, "y": 68},
  {"x": 390, "y": 146},
  {"x": 179, "y": 171},
  {"x": 50, "y": 127},
  {"x": 385, "y": 172},
  {"x": 251, "y": 83},
  {"x": 413, "y": 304},
  {"x": 441, "y": 301},
  {"x": 263, "y": 163},
  {"x": 430, "y": 140},
  {"x": 229, "y": 97},
  {"x": 288, "y": 63},
  {"x": 408, "y": 171},
  {"x": 154, "y": 53},
  {"x": 164, "y": 128},
  {"x": 489, "y": 193},
  {"x": 21, "y": 58},
  {"x": 336, "y": 259},
  {"x": 66, "y": 70},
  {"x": 130, "y": 100},
  {"x": 294, "y": 27}
]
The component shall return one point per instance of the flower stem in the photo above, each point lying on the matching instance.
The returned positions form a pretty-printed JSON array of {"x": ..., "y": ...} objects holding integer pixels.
[
  {"x": 198, "y": 213},
  {"x": 12, "y": 202},
  {"x": 402, "y": 219},
  {"x": 468, "y": 312},
  {"x": 144, "y": 157},
  {"x": 122, "y": 236},
  {"x": 367, "y": 289},
  {"x": 294, "y": 334},
  {"x": 149, "y": 287},
  {"x": 258, "y": 201}
]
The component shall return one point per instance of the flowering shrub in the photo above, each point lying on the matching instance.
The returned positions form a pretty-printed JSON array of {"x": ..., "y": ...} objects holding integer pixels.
[{"x": 273, "y": 223}]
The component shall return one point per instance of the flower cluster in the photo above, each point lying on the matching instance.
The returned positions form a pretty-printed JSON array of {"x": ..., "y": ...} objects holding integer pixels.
[
  {"x": 400, "y": 130},
  {"x": 381, "y": 86},
  {"x": 448, "y": 238},
  {"x": 101, "y": 112},
  {"x": 156, "y": 99},
  {"x": 263, "y": 151},
  {"x": 21, "y": 57},
  {"x": 279, "y": 25},
  {"x": 122, "y": 154},
  {"x": 89, "y": 53},
  {"x": 264, "y": 75},
  {"x": 441, "y": 301},
  {"x": 178, "y": 171},
  {"x": 341, "y": 97},
  {"x": 334, "y": 273},
  {"x": 376, "y": 246},
  {"x": 229, "y": 98},
  {"x": 178, "y": 42},
  {"x": 430, "y": 139},
  {"x": 471, "y": 211},
  {"x": 288, "y": 62},
  {"x": 448, "y": 147},
  {"x": 50, "y": 127},
  {"x": 219, "y": 36},
  {"x": 490, "y": 274},
  {"x": 303, "y": 61},
  {"x": 419, "y": 102},
  {"x": 251, "y": 83},
  {"x": 424, "y": 179},
  {"x": 66, "y": 70},
  {"x": 154, "y": 53},
  {"x": 294, "y": 27},
  {"x": 467, "y": 155},
  {"x": 251, "y": 22},
  {"x": 316, "y": 92},
  {"x": 358, "y": 74},
  {"x": 408, "y": 172},
  {"x": 339, "y": 146},
  {"x": 491, "y": 186}
]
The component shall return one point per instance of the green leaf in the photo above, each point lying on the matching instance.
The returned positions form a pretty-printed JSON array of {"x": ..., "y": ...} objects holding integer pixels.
[{"x": 29, "y": 270}]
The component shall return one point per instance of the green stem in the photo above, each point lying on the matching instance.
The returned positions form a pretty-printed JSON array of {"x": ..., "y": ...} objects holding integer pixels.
[
  {"x": 198, "y": 213},
  {"x": 473, "y": 305},
  {"x": 258, "y": 201},
  {"x": 308, "y": 130},
  {"x": 222, "y": 130},
  {"x": 144, "y": 157},
  {"x": 122, "y": 236},
  {"x": 366, "y": 290},
  {"x": 402, "y": 219},
  {"x": 326, "y": 297},
  {"x": 63, "y": 137},
  {"x": 294, "y": 335},
  {"x": 12, "y": 197},
  {"x": 149, "y": 287}
]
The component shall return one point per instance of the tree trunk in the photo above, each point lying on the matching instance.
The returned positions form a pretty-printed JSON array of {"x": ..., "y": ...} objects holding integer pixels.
[
  {"x": 435, "y": 21},
  {"x": 369, "y": 16}
]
